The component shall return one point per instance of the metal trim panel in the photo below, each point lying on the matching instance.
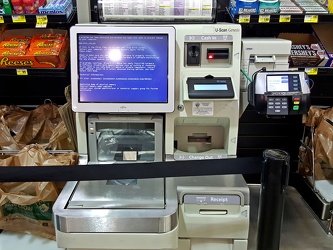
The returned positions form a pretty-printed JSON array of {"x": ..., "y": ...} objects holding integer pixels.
[{"x": 114, "y": 220}]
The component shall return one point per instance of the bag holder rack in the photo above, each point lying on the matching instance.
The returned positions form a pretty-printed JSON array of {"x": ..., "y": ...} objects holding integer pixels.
[{"x": 326, "y": 221}]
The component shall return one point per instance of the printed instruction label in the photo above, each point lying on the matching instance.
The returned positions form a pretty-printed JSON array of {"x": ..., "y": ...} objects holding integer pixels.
[
  {"x": 197, "y": 8},
  {"x": 202, "y": 108}
]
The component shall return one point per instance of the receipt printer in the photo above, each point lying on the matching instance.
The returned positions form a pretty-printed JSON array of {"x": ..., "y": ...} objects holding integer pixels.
[{"x": 275, "y": 93}]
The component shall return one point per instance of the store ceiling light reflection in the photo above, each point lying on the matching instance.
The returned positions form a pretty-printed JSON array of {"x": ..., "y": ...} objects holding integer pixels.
[{"x": 115, "y": 55}]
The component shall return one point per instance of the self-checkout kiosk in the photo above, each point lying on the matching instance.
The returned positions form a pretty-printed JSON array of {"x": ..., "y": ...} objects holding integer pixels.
[
  {"x": 179, "y": 85},
  {"x": 145, "y": 93}
]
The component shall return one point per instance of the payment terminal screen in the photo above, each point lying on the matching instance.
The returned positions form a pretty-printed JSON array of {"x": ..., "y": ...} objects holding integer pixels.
[{"x": 277, "y": 83}]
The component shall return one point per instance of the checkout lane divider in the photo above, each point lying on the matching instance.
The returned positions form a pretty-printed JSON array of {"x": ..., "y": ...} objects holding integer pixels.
[{"x": 242, "y": 165}]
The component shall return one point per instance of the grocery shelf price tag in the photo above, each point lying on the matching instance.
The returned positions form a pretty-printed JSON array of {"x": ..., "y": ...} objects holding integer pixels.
[
  {"x": 244, "y": 19},
  {"x": 285, "y": 18},
  {"x": 2, "y": 20},
  {"x": 22, "y": 72},
  {"x": 41, "y": 21},
  {"x": 18, "y": 19},
  {"x": 311, "y": 18},
  {"x": 311, "y": 71},
  {"x": 264, "y": 18}
]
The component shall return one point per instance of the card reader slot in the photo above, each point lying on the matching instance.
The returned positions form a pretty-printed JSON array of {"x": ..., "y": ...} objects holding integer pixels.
[{"x": 217, "y": 53}]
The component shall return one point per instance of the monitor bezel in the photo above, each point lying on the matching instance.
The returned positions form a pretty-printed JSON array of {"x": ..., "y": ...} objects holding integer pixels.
[{"x": 122, "y": 107}]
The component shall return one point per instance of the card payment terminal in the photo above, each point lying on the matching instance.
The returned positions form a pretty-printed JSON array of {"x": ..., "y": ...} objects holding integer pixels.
[{"x": 280, "y": 93}]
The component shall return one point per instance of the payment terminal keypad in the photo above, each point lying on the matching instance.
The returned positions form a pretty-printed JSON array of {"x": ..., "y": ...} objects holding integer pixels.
[
  {"x": 280, "y": 93},
  {"x": 277, "y": 106},
  {"x": 296, "y": 83}
]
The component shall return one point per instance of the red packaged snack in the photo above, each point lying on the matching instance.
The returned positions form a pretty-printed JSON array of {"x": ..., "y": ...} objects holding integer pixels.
[
  {"x": 9, "y": 45},
  {"x": 21, "y": 39},
  {"x": 47, "y": 44},
  {"x": 31, "y": 6},
  {"x": 50, "y": 36},
  {"x": 18, "y": 7},
  {"x": 45, "y": 55},
  {"x": 4, "y": 52},
  {"x": 42, "y": 52}
]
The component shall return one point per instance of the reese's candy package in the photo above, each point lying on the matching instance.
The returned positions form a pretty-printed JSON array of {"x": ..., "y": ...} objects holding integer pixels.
[
  {"x": 6, "y": 52},
  {"x": 49, "y": 37},
  {"x": 9, "y": 45},
  {"x": 47, "y": 44},
  {"x": 21, "y": 39}
]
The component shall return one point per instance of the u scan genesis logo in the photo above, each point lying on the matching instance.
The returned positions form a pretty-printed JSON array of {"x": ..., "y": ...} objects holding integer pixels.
[{"x": 221, "y": 30}]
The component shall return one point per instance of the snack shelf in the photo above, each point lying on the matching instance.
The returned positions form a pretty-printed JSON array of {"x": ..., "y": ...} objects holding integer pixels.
[
  {"x": 41, "y": 72},
  {"x": 281, "y": 18},
  {"x": 323, "y": 71},
  {"x": 36, "y": 72},
  {"x": 21, "y": 19},
  {"x": 35, "y": 88}
]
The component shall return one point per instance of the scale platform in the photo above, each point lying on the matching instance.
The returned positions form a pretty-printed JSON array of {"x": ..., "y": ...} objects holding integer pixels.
[{"x": 138, "y": 194}]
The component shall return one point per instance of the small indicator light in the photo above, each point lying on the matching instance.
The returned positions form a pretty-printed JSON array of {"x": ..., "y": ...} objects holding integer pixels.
[{"x": 210, "y": 56}]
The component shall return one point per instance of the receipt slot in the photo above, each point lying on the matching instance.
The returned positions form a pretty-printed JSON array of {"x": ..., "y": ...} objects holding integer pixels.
[
  {"x": 280, "y": 93},
  {"x": 211, "y": 216}
]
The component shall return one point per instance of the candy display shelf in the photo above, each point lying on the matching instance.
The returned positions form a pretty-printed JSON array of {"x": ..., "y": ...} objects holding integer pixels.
[
  {"x": 38, "y": 19},
  {"x": 282, "y": 18}
]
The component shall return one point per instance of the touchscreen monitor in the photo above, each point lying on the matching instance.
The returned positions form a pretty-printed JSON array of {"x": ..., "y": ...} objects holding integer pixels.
[{"x": 122, "y": 69}]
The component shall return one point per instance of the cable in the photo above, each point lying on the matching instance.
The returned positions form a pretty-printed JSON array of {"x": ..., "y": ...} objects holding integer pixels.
[
  {"x": 255, "y": 73},
  {"x": 246, "y": 75},
  {"x": 312, "y": 83}
]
